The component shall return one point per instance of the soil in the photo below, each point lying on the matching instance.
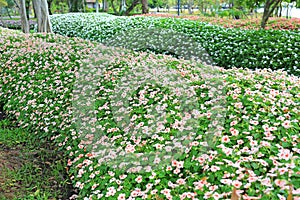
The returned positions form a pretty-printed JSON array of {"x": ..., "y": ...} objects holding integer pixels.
[
  {"x": 14, "y": 158},
  {"x": 10, "y": 159}
]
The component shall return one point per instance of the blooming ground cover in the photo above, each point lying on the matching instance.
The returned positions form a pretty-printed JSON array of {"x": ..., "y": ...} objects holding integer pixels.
[
  {"x": 253, "y": 49},
  {"x": 252, "y": 23},
  {"x": 195, "y": 135}
]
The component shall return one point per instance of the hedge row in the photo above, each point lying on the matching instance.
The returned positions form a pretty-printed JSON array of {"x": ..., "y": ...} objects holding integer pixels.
[{"x": 228, "y": 48}]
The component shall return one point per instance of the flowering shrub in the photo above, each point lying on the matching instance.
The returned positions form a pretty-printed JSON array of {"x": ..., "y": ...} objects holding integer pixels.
[
  {"x": 254, "y": 23},
  {"x": 254, "y": 146},
  {"x": 227, "y": 47}
]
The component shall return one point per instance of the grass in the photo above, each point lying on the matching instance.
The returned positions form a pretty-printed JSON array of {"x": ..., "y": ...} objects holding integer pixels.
[{"x": 30, "y": 169}]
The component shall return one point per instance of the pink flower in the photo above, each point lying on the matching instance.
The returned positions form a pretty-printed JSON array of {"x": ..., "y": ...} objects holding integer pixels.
[
  {"x": 285, "y": 154},
  {"x": 226, "y": 181},
  {"x": 236, "y": 183},
  {"x": 280, "y": 183},
  {"x": 180, "y": 164},
  {"x": 139, "y": 179},
  {"x": 233, "y": 123},
  {"x": 166, "y": 192},
  {"x": 282, "y": 170},
  {"x": 234, "y": 131},
  {"x": 286, "y": 124},
  {"x": 180, "y": 181},
  {"x": 214, "y": 168},
  {"x": 225, "y": 139},
  {"x": 121, "y": 197}
]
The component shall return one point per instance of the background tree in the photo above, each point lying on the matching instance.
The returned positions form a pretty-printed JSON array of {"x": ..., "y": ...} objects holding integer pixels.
[
  {"x": 10, "y": 5},
  {"x": 42, "y": 15},
  {"x": 3, "y": 3},
  {"x": 105, "y": 5},
  {"x": 76, "y": 5},
  {"x": 130, "y": 8},
  {"x": 27, "y": 7},
  {"x": 117, "y": 7},
  {"x": 24, "y": 19},
  {"x": 59, "y": 6},
  {"x": 145, "y": 6},
  {"x": 49, "y": 2},
  {"x": 269, "y": 8}
]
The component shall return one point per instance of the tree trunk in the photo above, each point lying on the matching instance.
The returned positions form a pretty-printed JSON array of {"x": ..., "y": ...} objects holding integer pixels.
[
  {"x": 27, "y": 6},
  {"x": 83, "y": 5},
  {"x": 97, "y": 6},
  {"x": 70, "y": 5},
  {"x": 75, "y": 5},
  {"x": 105, "y": 5},
  {"x": 2, "y": 21},
  {"x": 280, "y": 10},
  {"x": 17, "y": 5},
  {"x": 268, "y": 10},
  {"x": 120, "y": 7},
  {"x": 43, "y": 20},
  {"x": 49, "y": 2},
  {"x": 113, "y": 7},
  {"x": 131, "y": 7},
  {"x": 24, "y": 20},
  {"x": 145, "y": 7},
  {"x": 190, "y": 3}
]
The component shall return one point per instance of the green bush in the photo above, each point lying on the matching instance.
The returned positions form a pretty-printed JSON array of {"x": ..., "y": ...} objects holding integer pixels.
[{"x": 253, "y": 49}]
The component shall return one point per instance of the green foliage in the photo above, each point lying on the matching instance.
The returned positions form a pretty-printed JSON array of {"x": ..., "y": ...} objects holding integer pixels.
[
  {"x": 59, "y": 7},
  {"x": 89, "y": 10},
  {"x": 3, "y": 3},
  {"x": 157, "y": 3},
  {"x": 223, "y": 13}
]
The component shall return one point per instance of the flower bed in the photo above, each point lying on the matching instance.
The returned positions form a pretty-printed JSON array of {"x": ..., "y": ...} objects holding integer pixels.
[
  {"x": 254, "y": 23},
  {"x": 227, "y": 47},
  {"x": 247, "y": 122}
]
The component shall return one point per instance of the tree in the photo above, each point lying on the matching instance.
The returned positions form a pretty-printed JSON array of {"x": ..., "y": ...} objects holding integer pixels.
[
  {"x": 3, "y": 3},
  {"x": 97, "y": 6},
  {"x": 58, "y": 6},
  {"x": 24, "y": 20},
  {"x": 42, "y": 15},
  {"x": 145, "y": 9},
  {"x": 131, "y": 7},
  {"x": 49, "y": 2},
  {"x": 75, "y": 5},
  {"x": 269, "y": 8},
  {"x": 27, "y": 6},
  {"x": 120, "y": 9},
  {"x": 105, "y": 5},
  {"x": 10, "y": 4}
]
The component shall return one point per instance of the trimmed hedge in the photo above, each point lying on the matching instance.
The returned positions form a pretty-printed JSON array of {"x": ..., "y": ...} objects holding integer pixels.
[{"x": 252, "y": 49}]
